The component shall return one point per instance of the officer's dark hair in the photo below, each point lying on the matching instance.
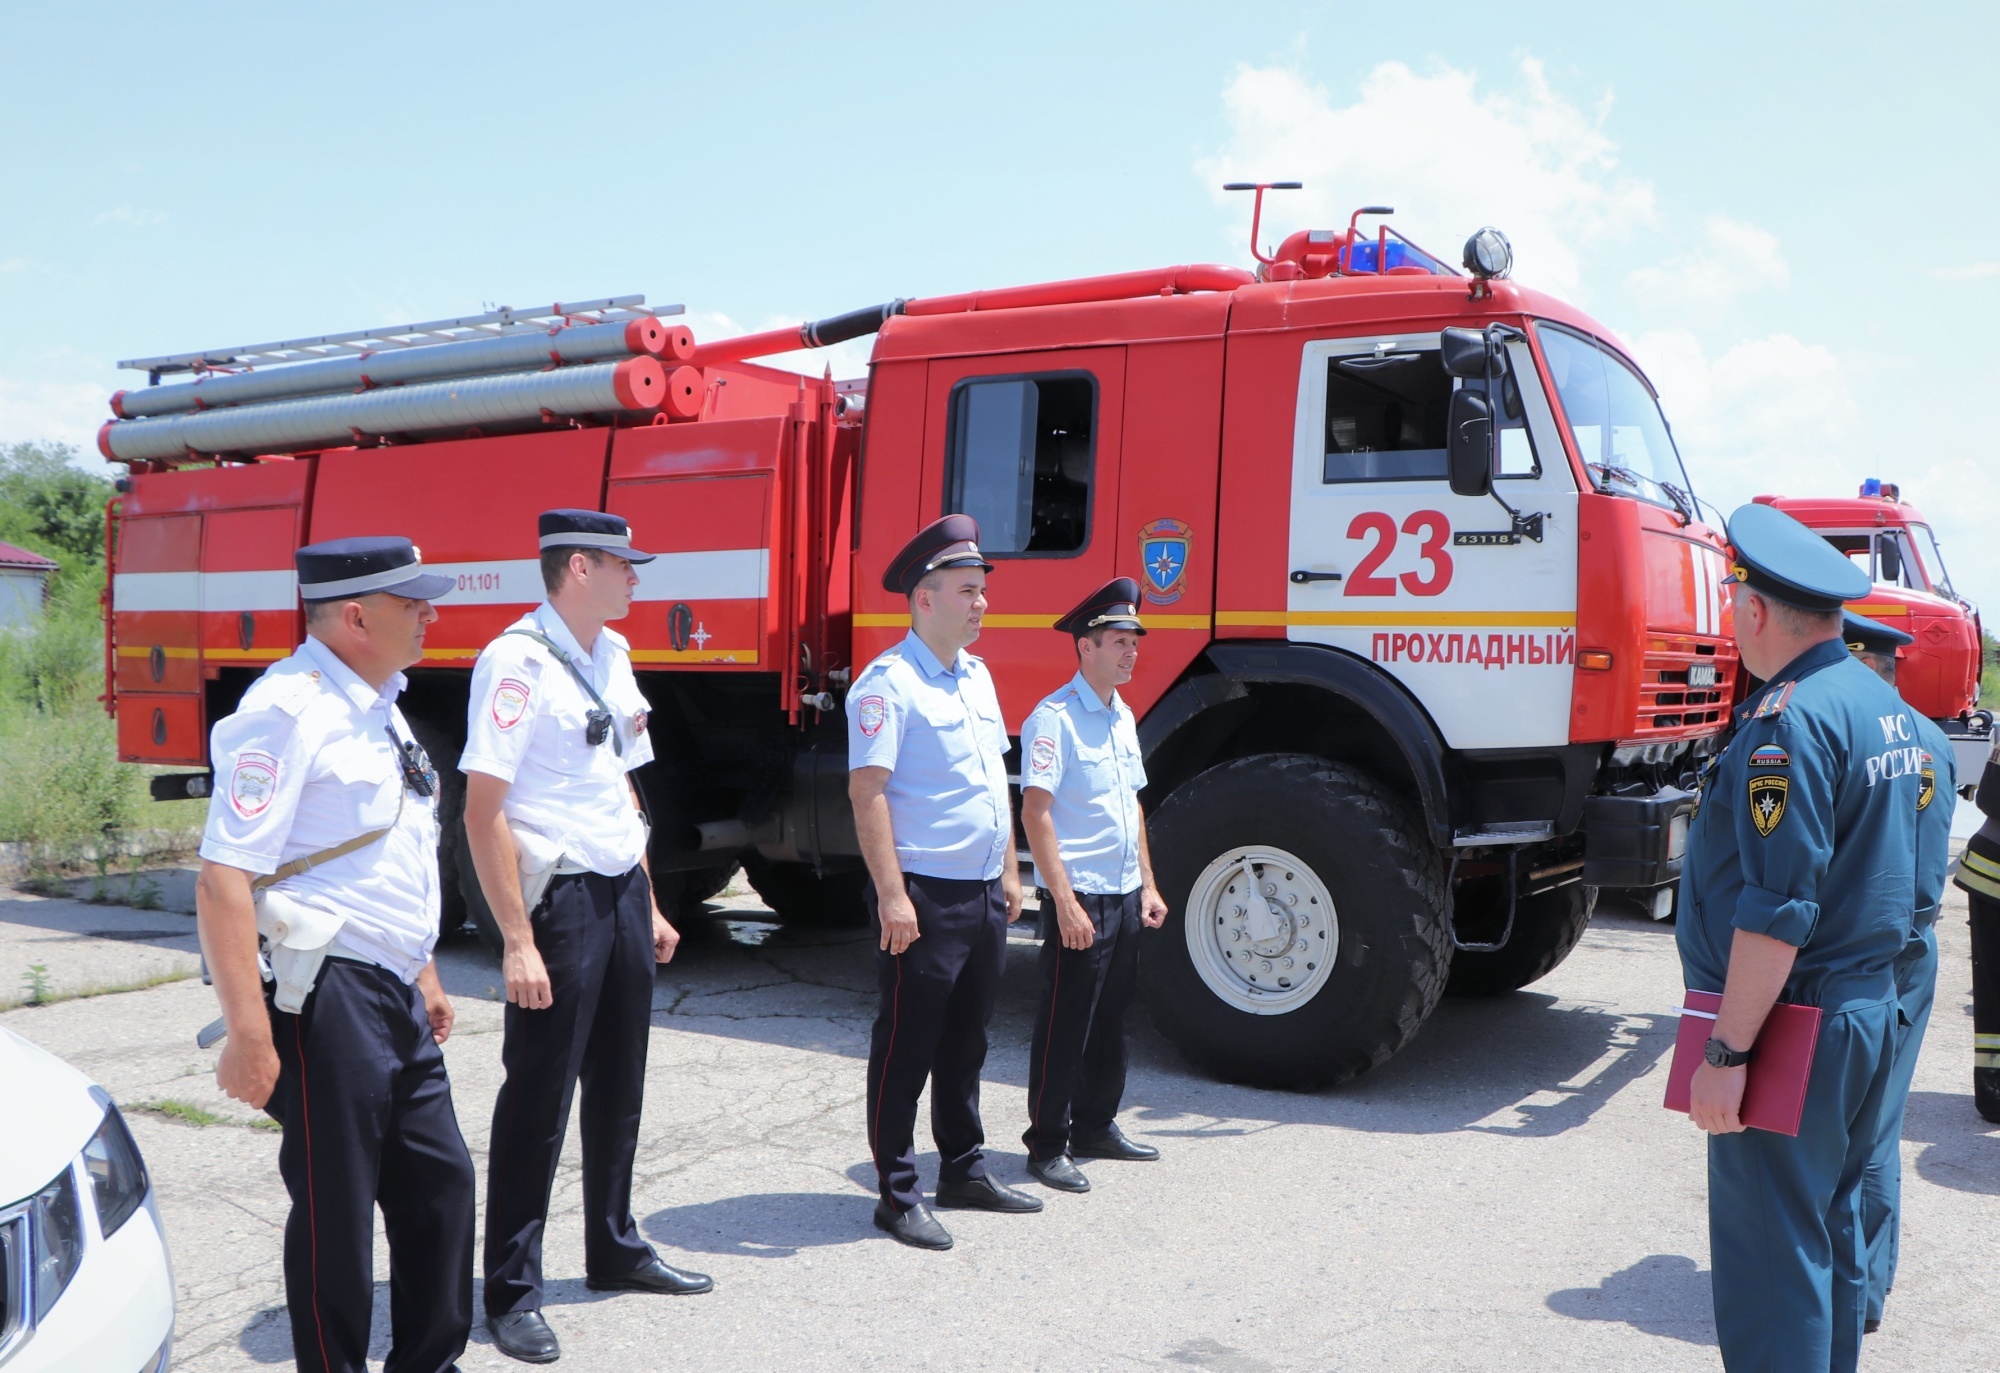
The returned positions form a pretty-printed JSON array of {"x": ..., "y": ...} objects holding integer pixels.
[
  {"x": 1883, "y": 665},
  {"x": 317, "y": 611},
  {"x": 1096, "y": 636},
  {"x": 555, "y": 564},
  {"x": 1801, "y": 623},
  {"x": 930, "y": 581}
]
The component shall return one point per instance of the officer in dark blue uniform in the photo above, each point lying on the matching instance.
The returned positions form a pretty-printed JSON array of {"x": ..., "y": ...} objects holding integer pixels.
[
  {"x": 1979, "y": 878},
  {"x": 926, "y": 754},
  {"x": 1799, "y": 885},
  {"x": 1875, "y": 645}
]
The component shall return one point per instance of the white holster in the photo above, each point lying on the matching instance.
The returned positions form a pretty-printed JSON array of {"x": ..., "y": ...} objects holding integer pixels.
[
  {"x": 538, "y": 856},
  {"x": 296, "y": 940}
]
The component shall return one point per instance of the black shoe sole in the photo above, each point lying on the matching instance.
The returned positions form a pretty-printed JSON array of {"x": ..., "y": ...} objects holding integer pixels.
[
  {"x": 940, "y": 1202},
  {"x": 1153, "y": 1157},
  {"x": 594, "y": 1286}
]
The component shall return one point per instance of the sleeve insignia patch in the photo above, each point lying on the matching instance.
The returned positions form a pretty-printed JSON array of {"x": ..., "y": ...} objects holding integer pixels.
[
  {"x": 870, "y": 712},
  {"x": 639, "y": 724},
  {"x": 1774, "y": 703},
  {"x": 1769, "y": 756},
  {"x": 252, "y": 783},
  {"x": 1042, "y": 754},
  {"x": 510, "y": 702},
  {"x": 1767, "y": 802},
  {"x": 1927, "y": 783}
]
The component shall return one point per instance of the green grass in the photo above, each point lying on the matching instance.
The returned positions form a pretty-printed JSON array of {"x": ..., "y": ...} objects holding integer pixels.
[
  {"x": 185, "y": 1112},
  {"x": 41, "y": 994}
]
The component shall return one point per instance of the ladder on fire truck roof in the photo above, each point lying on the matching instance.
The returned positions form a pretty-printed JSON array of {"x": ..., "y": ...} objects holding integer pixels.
[{"x": 504, "y": 320}]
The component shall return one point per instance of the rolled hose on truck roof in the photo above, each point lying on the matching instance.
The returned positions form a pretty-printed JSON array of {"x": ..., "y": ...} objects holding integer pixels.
[
  {"x": 554, "y": 347},
  {"x": 636, "y": 384}
]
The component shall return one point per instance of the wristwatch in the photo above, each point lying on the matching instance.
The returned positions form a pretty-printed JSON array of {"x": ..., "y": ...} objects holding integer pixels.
[{"x": 1720, "y": 1055}]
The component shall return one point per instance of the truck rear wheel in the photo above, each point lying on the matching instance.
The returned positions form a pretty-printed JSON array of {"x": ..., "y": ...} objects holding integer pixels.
[
  {"x": 1305, "y": 939},
  {"x": 799, "y": 896},
  {"x": 1547, "y": 927}
]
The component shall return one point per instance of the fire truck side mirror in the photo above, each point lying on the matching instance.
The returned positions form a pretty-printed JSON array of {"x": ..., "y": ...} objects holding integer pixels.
[
  {"x": 1469, "y": 443},
  {"x": 1465, "y": 353}
]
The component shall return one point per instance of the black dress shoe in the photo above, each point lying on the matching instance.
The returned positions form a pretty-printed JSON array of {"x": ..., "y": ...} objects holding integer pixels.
[
  {"x": 524, "y": 1335},
  {"x": 654, "y": 1277},
  {"x": 984, "y": 1194},
  {"x": 1110, "y": 1142},
  {"x": 1059, "y": 1173},
  {"x": 1870, "y": 1326},
  {"x": 1986, "y": 1092},
  {"x": 916, "y": 1227}
]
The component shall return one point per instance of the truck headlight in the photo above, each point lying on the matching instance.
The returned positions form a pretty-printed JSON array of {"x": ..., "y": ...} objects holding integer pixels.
[
  {"x": 57, "y": 1242},
  {"x": 117, "y": 1173}
]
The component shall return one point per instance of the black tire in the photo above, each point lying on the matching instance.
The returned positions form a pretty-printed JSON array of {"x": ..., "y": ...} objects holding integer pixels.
[
  {"x": 1366, "y": 847},
  {"x": 683, "y": 893},
  {"x": 1546, "y": 928},
  {"x": 799, "y": 896}
]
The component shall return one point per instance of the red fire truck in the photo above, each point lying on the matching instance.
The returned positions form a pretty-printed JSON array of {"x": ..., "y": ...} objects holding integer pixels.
[
  {"x": 1437, "y": 641},
  {"x": 1939, "y": 674}
]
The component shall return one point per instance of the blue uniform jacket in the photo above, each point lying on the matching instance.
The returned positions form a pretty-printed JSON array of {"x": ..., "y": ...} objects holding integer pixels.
[
  {"x": 1807, "y": 833},
  {"x": 1937, "y": 800}
]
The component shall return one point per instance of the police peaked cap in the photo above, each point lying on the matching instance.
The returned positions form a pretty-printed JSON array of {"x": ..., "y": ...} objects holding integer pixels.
[
  {"x": 341, "y": 569},
  {"x": 1115, "y": 605},
  {"x": 1781, "y": 558},
  {"x": 1864, "y": 635},
  {"x": 590, "y": 529},
  {"x": 950, "y": 542}
]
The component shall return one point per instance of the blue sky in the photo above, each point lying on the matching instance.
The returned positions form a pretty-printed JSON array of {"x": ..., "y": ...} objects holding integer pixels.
[{"x": 1787, "y": 210}]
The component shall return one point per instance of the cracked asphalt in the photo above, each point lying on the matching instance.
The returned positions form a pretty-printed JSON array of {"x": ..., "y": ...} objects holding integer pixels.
[{"x": 1506, "y": 1192}]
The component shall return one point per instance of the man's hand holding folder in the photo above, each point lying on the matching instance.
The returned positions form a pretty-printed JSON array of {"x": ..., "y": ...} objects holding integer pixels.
[{"x": 1715, "y": 1098}]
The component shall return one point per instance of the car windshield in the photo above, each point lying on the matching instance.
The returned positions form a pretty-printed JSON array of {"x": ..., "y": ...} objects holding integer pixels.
[
  {"x": 1925, "y": 545},
  {"x": 1619, "y": 432}
]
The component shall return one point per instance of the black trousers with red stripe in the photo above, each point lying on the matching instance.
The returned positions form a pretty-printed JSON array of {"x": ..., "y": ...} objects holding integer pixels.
[
  {"x": 936, "y": 999},
  {"x": 366, "y": 1109},
  {"x": 1076, "y": 1061},
  {"x": 595, "y": 936}
]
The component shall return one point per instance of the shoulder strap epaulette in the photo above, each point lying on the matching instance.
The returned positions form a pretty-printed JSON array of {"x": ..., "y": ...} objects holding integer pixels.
[{"x": 1774, "y": 702}]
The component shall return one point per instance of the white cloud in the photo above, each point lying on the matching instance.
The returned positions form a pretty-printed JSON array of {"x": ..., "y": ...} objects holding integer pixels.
[
  {"x": 62, "y": 411},
  {"x": 16, "y": 264},
  {"x": 125, "y": 214},
  {"x": 1448, "y": 155},
  {"x": 1974, "y": 271},
  {"x": 1732, "y": 260}
]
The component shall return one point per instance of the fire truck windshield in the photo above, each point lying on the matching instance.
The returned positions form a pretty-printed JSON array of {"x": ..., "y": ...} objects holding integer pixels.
[
  {"x": 1619, "y": 432},
  {"x": 1924, "y": 545}
]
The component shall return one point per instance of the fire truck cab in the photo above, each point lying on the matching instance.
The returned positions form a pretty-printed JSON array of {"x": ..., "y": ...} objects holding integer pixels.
[
  {"x": 1437, "y": 638},
  {"x": 1939, "y": 674}
]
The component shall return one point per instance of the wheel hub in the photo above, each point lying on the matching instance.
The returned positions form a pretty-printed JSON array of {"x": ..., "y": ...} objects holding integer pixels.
[{"x": 1262, "y": 930}]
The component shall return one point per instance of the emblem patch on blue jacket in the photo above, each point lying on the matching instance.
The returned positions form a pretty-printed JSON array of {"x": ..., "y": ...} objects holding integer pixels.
[
  {"x": 1769, "y": 756},
  {"x": 1767, "y": 802},
  {"x": 1927, "y": 782}
]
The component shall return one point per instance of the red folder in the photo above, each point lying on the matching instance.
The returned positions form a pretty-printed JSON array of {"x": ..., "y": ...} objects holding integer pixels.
[{"x": 1775, "y": 1095}]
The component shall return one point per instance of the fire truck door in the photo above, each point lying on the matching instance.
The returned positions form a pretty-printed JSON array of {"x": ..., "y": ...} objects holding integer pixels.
[
  {"x": 1027, "y": 444},
  {"x": 1474, "y": 616}
]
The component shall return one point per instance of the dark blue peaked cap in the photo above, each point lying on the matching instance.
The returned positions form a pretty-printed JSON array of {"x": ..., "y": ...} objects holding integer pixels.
[
  {"x": 1864, "y": 635},
  {"x": 590, "y": 529},
  {"x": 341, "y": 569},
  {"x": 1784, "y": 560},
  {"x": 1115, "y": 605},
  {"x": 950, "y": 542}
]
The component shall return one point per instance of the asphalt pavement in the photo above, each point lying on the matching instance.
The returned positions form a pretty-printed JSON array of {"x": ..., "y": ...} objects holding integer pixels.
[{"x": 1506, "y": 1193}]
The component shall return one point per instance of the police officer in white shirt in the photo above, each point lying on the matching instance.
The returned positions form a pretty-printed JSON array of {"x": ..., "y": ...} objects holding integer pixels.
[
  {"x": 556, "y": 723},
  {"x": 1080, "y": 783},
  {"x": 322, "y": 835},
  {"x": 928, "y": 781}
]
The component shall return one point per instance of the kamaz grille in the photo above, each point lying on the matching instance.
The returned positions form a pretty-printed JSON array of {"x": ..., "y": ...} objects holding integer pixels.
[{"x": 1685, "y": 687}]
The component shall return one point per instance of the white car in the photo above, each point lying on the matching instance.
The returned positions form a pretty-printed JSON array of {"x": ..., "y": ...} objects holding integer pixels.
[{"x": 85, "y": 1282}]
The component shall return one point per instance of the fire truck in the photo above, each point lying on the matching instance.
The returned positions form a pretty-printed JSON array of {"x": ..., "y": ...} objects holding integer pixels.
[
  {"x": 1436, "y": 637},
  {"x": 1939, "y": 674}
]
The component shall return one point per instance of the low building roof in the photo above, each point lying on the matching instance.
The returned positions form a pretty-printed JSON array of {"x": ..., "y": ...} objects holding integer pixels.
[{"x": 11, "y": 555}]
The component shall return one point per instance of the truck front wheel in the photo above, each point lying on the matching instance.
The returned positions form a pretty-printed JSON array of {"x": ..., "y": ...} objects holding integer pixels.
[
  {"x": 797, "y": 895},
  {"x": 1305, "y": 940}
]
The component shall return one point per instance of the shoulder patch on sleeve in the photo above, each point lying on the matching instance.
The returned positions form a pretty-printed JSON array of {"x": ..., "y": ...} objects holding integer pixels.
[
  {"x": 870, "y": 712},
  {"x": 1768, "y": 793},
  {"x": 510, "y": 701},
  {"x": 1927, "y": 782},
  {"x": 1769, "y": 756},
  {"x": 1042, "y": 753},
  {"x": 252, "y": 782}
]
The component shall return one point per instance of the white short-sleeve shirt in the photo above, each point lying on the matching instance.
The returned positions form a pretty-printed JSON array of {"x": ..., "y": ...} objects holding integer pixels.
[
  {"x": 306, "y": 764},
  {"x": 526, "y": 725},
  {"x": 1085, "y": 754},
  {"x": 940, "y": 733}
]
